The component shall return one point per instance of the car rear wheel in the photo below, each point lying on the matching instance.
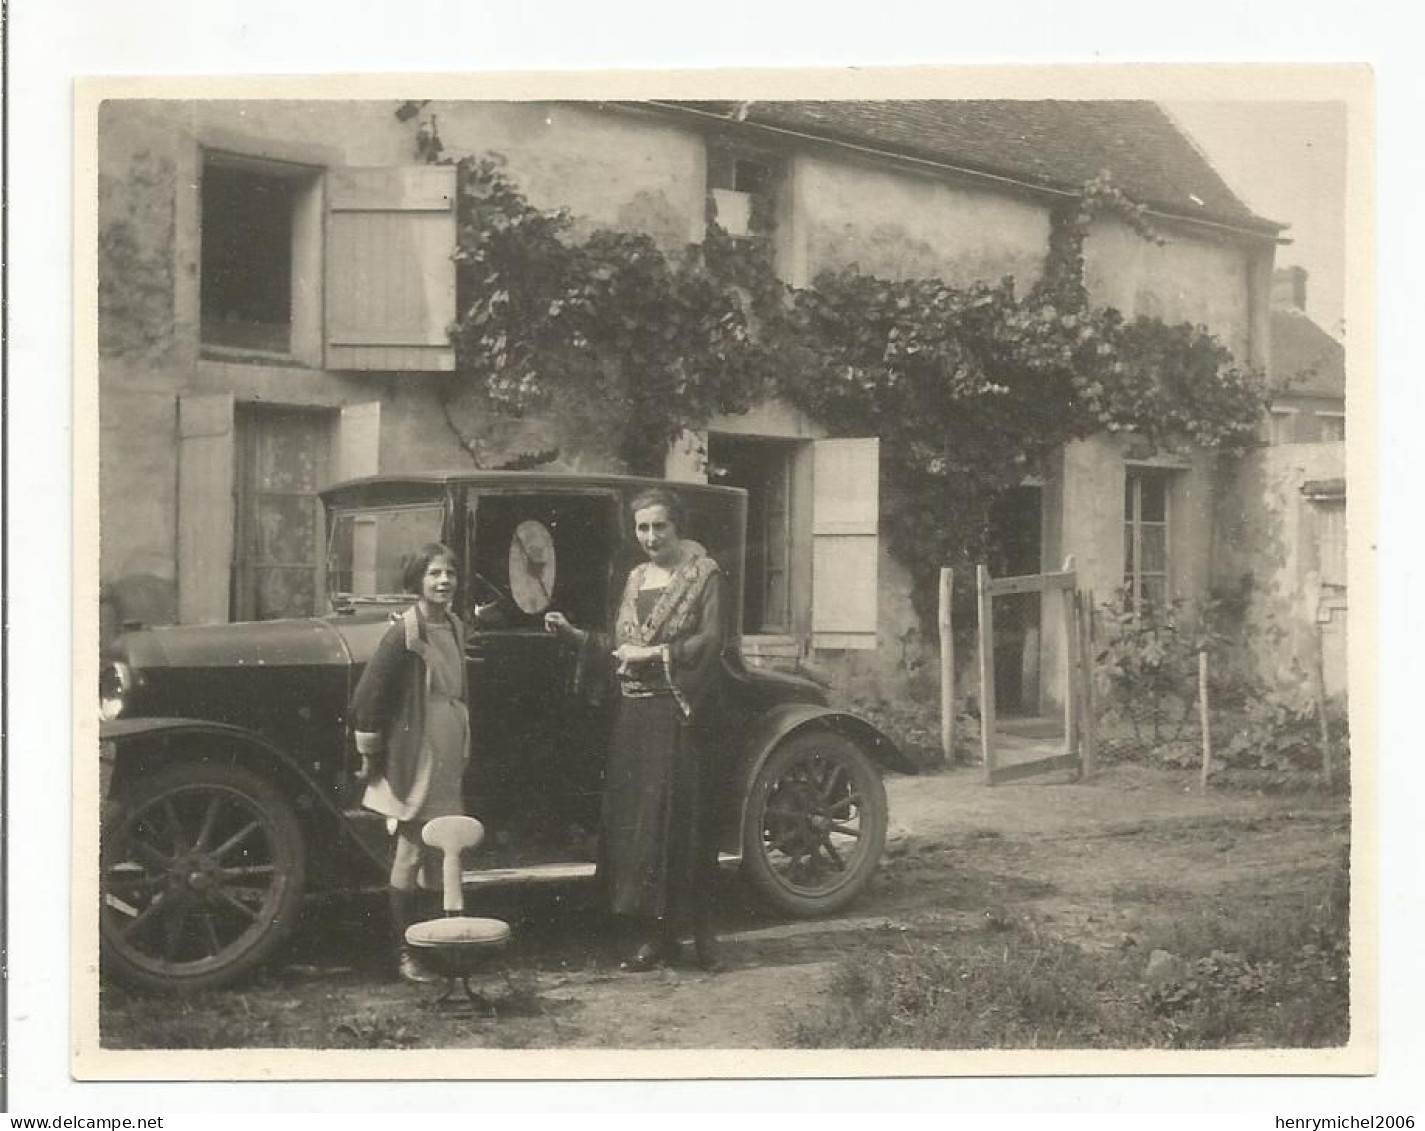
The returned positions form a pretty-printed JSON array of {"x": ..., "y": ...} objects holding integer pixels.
[
  {"x": 202, "y": 870},
  {"x": 814, "y": 825}
]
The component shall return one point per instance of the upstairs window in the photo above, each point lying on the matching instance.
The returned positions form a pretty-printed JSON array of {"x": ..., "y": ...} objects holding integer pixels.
[
  {"x": 338, "y": 268},
  {"x": 1145, "y": 538},
  {"x": 741, "y": 190},
  {"x": 1281, "y": 426},
  {"x": 256, "y": 224},
  {"x": 1330, "y": 426}
]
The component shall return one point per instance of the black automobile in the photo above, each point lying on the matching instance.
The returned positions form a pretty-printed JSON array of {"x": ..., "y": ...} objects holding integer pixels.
[{"x": 229, "y": 766}]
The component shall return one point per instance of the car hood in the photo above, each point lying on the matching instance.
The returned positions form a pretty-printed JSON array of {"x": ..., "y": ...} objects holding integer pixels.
[{"x": 296, "y": 642}]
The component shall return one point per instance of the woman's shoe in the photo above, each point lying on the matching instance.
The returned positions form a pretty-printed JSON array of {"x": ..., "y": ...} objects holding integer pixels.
[
  {"x": 707, "y": 951},
  {"x": 650, "y": 956}
]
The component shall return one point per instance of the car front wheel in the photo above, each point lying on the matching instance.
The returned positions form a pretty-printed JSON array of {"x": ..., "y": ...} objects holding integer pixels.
[
  {"x": 202, "y": 869},
  {"x": 814, "y": 825}
]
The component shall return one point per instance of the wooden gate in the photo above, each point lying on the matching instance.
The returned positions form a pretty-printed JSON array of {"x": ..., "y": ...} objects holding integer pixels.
[{"x": 1077, "y": 669}]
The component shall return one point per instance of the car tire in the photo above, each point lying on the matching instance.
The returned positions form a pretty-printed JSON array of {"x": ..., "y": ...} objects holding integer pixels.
[
  {"x": 202, "y": 870},
  {"x": 814, "y": 824}
]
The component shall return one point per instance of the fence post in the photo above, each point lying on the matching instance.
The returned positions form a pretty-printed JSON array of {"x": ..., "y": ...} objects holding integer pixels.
[
  {"x": 1087, "y": 723},
  {"x": 1204, "y": 715},
  {"x": 1318, "y": 692},
  {"x": 1071, "y": 651},
  {"x": 947, "y": 665},
  {"x": 987, "y": 671}
]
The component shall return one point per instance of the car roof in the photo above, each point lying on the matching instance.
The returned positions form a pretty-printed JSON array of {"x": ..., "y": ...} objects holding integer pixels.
[{"x": 461, "y": 477}]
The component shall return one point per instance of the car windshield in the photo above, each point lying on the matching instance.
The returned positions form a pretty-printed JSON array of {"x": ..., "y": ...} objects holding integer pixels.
[{"x": 368, "y": 547}]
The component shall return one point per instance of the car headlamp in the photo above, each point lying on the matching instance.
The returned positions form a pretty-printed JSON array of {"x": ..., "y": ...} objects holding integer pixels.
[{"x": 116, "y": 681}]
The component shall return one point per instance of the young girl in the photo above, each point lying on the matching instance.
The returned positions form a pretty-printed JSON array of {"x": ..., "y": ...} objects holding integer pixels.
[{"x": 413, "y": 729}]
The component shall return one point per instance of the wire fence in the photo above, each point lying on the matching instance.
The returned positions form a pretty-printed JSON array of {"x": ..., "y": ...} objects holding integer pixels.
[{"x": 1174, "y": 692}]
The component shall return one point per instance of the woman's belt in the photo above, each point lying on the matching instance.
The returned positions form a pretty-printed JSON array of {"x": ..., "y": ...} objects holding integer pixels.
[{"x": 634, "y": 686}]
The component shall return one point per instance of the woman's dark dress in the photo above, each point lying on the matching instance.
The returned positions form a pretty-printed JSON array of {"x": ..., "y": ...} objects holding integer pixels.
[{"x": 658, "y": 852}]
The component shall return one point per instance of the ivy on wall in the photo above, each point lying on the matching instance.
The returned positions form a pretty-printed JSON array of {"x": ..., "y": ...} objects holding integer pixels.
[{"x": 968, "y": 388}]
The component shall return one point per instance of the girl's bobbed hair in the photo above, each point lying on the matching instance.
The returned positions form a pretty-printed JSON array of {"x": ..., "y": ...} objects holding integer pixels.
[{"x": 413, "y": 569}]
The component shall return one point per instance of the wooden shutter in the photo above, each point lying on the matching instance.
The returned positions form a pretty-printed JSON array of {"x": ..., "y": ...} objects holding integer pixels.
[
  {"x": 205, "y": 508},
  {"x": 1331, "y": 541},
  {"x": 845, "y": 518},
  {"x": 390, "y": 277},
  {"x": 358, "y": 445}
]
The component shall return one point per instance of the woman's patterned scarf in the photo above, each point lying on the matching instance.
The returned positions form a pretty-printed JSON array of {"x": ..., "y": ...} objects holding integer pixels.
[
  {"x": 676, "y": 606},
  {"x": 669, "y": 620}
]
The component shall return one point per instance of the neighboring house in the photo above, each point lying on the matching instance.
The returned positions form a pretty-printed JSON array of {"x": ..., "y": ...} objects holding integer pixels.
[
  {"x": 1283, "y": 525},
  {"x": 275, "y": 285},
  {"x": 1308, "y": 369}
]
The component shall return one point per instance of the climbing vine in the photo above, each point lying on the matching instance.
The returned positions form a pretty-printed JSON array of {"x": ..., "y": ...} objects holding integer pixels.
[
  {"x": 645, "y": 343},
  {"x": 968, "y": 388}
]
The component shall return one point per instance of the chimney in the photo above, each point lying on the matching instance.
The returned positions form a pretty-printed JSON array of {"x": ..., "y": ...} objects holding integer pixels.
[{"x": 1289, "y": 288}]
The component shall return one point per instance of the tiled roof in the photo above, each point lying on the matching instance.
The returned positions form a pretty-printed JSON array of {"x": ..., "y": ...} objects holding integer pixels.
[
  {"x": 1306, "y": 360},
  {"x": 1053, "y": 144}
]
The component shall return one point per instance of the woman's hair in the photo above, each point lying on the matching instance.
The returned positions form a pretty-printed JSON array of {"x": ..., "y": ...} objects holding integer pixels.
[
  {"x": 413, "y": 569},
  {"x": 662, "y": 497}
]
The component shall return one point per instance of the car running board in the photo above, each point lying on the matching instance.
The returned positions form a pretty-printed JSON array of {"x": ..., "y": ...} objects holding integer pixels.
[{"x": 552, "y": 873}]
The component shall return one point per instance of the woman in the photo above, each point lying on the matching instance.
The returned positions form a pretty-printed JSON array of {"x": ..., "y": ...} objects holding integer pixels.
[
  {"x": 657, "y": 856},
  {"x": 413, "y": 729}
]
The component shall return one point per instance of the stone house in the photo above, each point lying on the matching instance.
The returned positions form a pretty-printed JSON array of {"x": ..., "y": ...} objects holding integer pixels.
[{"x": 275, "y": 285}]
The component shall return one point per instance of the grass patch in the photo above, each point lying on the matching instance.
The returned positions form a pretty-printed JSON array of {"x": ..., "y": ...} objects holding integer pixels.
[
  {"x": 1262, "y": 971},
  {"x": 1002, "y": 988},
  {"x": 219, "y": 1020}
]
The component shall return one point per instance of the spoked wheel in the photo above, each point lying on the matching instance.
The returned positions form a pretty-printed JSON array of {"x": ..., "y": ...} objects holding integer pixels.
[
  {"x": 202, "y": 869},
  {"x": 815, "y": 824}
]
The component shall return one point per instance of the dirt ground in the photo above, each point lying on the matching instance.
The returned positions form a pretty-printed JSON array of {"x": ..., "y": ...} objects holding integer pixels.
[{"x": 1087, "y": 862}]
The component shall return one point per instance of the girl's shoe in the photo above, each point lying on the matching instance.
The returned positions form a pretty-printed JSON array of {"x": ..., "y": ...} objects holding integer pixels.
[{"x": 412, "y": 969}]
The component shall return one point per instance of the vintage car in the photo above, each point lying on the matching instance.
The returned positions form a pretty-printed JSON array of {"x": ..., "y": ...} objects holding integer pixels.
[{"x": 229, "y": 768}]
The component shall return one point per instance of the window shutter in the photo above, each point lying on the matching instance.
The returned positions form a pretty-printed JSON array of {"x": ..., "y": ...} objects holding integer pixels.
[
  {"x": 358, "y": 444},
  {"x": 845, "y": 519},
  {"x": 1331, "y": 541},
  {"x": 390, "y": 277},
  {"x": 205, "y": 508}
]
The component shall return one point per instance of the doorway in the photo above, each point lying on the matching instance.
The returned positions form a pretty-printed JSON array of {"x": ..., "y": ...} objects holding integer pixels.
[
  {"x": 1017, "y": 520},
  {"x": 762, "y": 468}
]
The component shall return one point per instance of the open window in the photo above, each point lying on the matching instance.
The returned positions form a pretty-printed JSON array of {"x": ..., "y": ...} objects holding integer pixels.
[
  {"x": 811, "y": 560},
  {"x": 763, "y": 468},
  {"x": 259, "y": 274},
  {"x": 741, "y": 191}
]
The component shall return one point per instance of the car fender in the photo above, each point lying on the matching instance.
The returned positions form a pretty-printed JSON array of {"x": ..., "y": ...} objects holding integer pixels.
[
  {"x": 780, "y": 722},
  {"x": 152, "y": 739}
]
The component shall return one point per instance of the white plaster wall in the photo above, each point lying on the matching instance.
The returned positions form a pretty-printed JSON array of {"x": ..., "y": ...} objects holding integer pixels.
[
  {"x": 611, "y": 169},
  {"x": 1267, "y": 543},
  {"x": 1192, "y": 278},
  {"x": 902, "y": 225}
]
